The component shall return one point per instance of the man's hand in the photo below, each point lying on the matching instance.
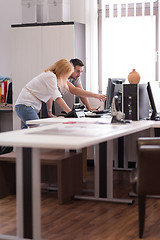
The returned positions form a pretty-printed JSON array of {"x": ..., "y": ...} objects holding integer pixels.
[{"x": 101, "y": 97}]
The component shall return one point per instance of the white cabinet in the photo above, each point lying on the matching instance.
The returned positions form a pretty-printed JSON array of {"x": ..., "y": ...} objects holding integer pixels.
[
  {"x": 58, "y": 42},
  {"x": 37, "y": 46}
]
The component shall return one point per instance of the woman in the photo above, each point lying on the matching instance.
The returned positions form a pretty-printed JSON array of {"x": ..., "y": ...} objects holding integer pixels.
[{"x": 43, "y": 88}]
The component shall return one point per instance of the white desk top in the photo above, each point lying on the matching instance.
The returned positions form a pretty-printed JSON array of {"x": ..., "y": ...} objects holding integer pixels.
[
  {"x": 72, "y": 134},
  {"x": 44, "y": 121}
]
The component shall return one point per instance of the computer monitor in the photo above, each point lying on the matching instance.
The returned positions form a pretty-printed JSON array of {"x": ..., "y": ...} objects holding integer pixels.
[
  {"x": 154, "y": 97},
  {"x": 114, "y": 88}
]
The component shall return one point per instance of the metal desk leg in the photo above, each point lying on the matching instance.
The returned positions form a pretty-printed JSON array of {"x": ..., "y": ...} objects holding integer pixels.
[
  {"x": 103, "y": 166},
  {"x": 103, "y": 170},
  {"x": 36, "y": 193},
  {"x": 103, "y": 174},
  {"x": 109, "y": 169},
  {"x": 28, "y": 193},
  {"x": 96, "y": 171}
]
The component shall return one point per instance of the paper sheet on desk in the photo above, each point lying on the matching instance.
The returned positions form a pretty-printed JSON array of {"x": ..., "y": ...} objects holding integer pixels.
[
  {"x": 71, "y": 129},
  {"x": 89, "y": 121}
]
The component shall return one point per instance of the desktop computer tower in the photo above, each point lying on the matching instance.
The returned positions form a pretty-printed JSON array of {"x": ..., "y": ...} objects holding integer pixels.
[{"x": 135, "y": 101}]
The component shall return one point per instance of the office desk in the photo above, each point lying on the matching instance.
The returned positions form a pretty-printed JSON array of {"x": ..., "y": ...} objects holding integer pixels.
[
  {"x": 47, "y": 121},
  {"x": 68, "y": 135},
  {"x": 101, "y": 191}
]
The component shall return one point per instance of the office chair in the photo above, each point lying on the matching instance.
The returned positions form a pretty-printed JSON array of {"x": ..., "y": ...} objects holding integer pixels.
[{"x": 147, "y": 175}]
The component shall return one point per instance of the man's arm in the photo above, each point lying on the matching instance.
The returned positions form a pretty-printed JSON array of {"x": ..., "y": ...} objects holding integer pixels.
[
  {"x": 83, "y": 93},
  {"x": 85, "y": 100}
]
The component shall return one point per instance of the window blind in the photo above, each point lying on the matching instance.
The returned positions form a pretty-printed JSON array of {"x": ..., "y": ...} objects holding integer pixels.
[{"x": 148, "y": 8}]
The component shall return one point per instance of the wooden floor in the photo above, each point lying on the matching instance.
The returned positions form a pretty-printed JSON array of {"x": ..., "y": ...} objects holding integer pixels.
[{"x": 88, "y": 220}]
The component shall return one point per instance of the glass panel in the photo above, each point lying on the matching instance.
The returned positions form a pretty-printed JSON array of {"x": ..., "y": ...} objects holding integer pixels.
[
  {"x": 155, "y": 7},
  {"x": 107, "y": 11},
  {"x": 131, "y": 9},
  {"x": 123, "y": 10},
  {"x": 128, "y": 37},
  {"x": 115, "y": 11},
  {"x": 147, "y": 9},
  {"x": 139, "y": 9},
  {"x": 128, "y": 43}
]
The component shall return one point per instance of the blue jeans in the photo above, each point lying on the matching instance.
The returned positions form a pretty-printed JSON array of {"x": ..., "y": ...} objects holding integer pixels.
[{"x": 25, "y": 113}]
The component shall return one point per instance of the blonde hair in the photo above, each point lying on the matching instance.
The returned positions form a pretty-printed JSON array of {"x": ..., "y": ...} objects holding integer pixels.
[{"x": 62, "y": 69}]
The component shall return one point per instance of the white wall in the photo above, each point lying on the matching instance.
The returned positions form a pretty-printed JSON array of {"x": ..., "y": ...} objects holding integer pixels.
[
  {"x": 77, "y": 10},
  {"x": 83, "y": 11},
  {"x": 10, "y": 14}
]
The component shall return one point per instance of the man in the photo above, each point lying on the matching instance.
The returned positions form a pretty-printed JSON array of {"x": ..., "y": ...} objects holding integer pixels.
[
  {"x": 75, "y": 87},
  {"x": 75, "y": 80}
]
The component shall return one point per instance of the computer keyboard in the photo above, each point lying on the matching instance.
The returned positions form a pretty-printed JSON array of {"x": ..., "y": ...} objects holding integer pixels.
[
  {"x": 97, "y": 113},
  {"x": 101, "y": 111}
]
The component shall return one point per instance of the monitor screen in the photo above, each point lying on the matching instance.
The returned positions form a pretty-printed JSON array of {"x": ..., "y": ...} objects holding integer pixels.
[
  {"x": 154, "y": 97},
  {"x": 114, "y": 88}
]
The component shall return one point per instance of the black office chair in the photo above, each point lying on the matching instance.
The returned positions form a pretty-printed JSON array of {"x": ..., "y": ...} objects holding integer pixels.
[
  {"x": 43, "y": 113},
  {"x": 5, "y": 149},
  {"x": 147, "y": 175}
]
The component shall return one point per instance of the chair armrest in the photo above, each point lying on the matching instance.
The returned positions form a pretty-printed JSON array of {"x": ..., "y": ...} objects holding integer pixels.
[{"x": 148, "y": 141}]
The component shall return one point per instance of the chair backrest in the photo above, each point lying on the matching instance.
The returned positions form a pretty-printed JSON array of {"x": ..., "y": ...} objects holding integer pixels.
[{"x": 148, "y": 166}]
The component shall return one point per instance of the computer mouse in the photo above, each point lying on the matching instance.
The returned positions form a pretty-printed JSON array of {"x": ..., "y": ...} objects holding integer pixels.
[{"x": 127, "y": 121}]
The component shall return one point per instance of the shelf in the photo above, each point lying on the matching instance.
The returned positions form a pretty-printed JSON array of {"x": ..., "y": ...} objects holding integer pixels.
[{"x": 6, "y": 107}]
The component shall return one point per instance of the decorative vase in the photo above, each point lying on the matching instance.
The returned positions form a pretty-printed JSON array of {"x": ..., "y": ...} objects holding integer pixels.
[{"x": 134, "y": 77}]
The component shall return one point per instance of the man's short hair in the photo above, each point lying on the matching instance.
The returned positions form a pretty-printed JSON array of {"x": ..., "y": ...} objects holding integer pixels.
[{"x": 77, "y": 62}]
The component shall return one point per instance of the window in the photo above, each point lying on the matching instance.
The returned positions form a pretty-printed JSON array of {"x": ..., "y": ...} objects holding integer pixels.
[{"x": 129, "y": 39}]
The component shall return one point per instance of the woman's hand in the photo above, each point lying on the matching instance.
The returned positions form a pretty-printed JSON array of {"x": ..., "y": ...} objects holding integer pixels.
[
  {"x": 49, "y": 107},
  {"x": 50, "y": 114}
]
